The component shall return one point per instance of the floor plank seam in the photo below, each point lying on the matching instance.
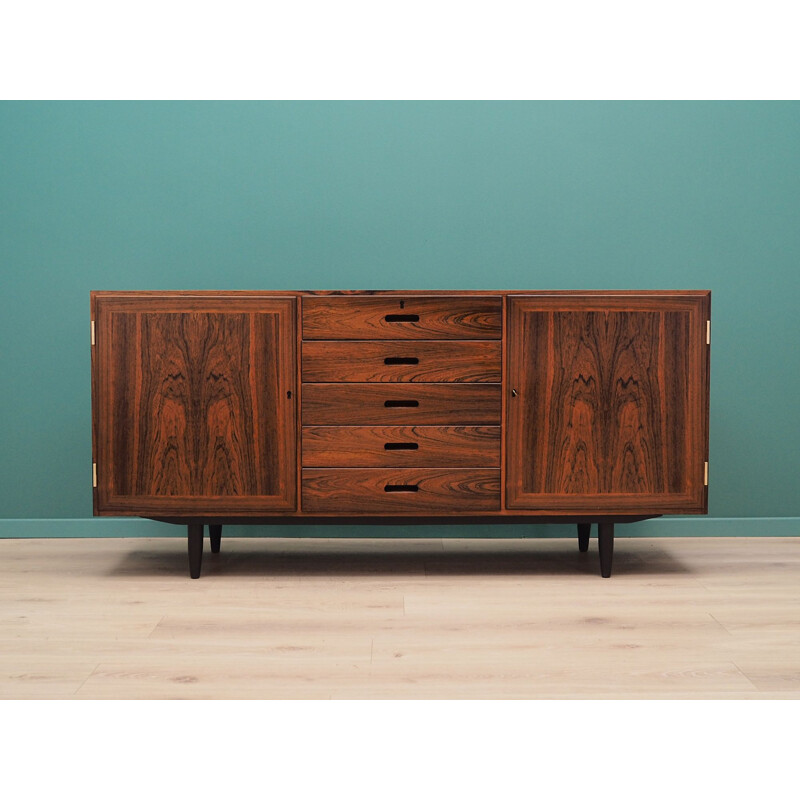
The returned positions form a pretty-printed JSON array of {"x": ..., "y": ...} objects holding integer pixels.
[
  {"x": 155, "y": 627},
  {"x": 97, "y": 666},
  {"x": 730, "y": 633},
  {"x": 746, "y": 676}
]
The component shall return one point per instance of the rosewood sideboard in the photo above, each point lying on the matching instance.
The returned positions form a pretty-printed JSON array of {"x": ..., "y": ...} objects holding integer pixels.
[{"x": 214, "y": 408}]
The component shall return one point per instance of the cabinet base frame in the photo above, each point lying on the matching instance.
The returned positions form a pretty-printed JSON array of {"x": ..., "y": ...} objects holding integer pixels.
[{"x": 605, "y": 530}]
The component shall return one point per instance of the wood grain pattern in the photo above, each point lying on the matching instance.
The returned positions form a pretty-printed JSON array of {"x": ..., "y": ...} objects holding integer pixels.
[
  {"x": 364, "y": 404},
  {"x": 364, "y": 317},
  {"x": 435, "y": 361},
  {"x": 364, "y": 490},
  {"x": 435, "y": 446},
  {"x": 607, "y": 406},
  {"x": 196, "y": 406}
]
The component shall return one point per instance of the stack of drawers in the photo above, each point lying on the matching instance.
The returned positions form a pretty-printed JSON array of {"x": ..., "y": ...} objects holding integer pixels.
[{"x": 401, "y": 404}]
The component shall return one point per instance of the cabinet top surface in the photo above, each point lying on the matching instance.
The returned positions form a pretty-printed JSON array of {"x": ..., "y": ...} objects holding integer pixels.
[{"x": 415, "y": 292}]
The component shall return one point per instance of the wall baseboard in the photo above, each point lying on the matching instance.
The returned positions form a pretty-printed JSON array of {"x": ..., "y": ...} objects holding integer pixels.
[{"x": 113, "y": 528}]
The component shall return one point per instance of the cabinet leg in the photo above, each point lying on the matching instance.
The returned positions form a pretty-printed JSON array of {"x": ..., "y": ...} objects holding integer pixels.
[
  {"x": 215, "y": 537},
  {"x": 195, "y": 550},
  {"x": 605, "y": 539},
  {"x": 584, "y": 530}
]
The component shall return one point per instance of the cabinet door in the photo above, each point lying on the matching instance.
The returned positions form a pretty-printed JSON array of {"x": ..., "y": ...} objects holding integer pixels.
[
  {"x": 194, "y": 404},
  {"x": 607, "y": 403}
]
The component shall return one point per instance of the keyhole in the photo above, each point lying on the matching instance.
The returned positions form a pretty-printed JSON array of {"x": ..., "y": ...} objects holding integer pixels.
[{"x": 402, "y": 304}]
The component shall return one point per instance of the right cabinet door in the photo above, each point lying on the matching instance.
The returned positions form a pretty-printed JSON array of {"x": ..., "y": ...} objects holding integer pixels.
[{"x": 607, "y": 403}]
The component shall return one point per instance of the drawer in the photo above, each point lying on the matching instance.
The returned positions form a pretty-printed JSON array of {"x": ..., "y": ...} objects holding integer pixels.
[
  {"x": 359, "y": 317},
  {"x": 401, "y": 446},
  {"x": 390, "y": 361},
  {"x": 389, "y": 491},
  {"x": 401, "y": 404}
]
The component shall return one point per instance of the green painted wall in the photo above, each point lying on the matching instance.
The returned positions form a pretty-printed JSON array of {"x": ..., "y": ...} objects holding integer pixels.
[{"x": 428, "y": 195}]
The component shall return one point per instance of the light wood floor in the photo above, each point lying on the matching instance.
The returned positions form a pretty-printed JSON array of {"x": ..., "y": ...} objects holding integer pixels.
[{"x": 322, "y": 618}]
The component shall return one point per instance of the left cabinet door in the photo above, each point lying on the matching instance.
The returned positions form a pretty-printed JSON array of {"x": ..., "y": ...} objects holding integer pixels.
[{"x": 194, "y": 404}]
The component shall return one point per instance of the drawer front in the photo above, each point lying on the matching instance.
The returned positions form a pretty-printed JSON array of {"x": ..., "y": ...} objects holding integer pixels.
[
  {"x": 401, "y": 446},
  {"x": 414, "y": 361},
  {"x": 353, "y": 317},
  {"x": 406, "y": 404},
  {"x": 389, "y": 491}
]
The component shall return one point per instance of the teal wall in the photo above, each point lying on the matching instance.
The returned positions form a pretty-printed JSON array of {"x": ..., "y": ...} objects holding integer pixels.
[{"x": 394, "y": 195}]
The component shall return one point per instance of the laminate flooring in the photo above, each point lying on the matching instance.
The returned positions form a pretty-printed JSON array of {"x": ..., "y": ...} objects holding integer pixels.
[{"x": 383, "y": 618}]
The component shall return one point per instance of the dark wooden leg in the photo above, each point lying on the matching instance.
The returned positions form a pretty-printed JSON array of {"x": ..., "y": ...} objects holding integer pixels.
[
  {"x": 195, "y": 549},
  {"x": 215, "y": 535},
  {"x": 584, "y": 530},
  {"x": 605, "y": 538}
]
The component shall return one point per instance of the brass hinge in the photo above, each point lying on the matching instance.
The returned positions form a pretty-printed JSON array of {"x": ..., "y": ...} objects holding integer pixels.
[
  {"x": 708, "y": 332},
  {"x": 705, "y": 474},
  {"x": 94, "y": 475},
  {"x": 92, "y": 332}
]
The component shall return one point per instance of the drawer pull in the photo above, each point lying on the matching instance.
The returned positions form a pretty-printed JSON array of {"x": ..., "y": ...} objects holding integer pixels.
[
  {"x": 400, "y": 487},
  {"x": 402, "y": 317},
  {"x": 395, "y": 360},
  {"x": 401, "y": 403},
  {"x": 401, "y": 446}
]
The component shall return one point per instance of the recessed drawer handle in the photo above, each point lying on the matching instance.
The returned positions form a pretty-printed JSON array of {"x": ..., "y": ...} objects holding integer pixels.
[
  {"x": 400, "y": 487},
  {"x": 401, "y": 446},
  {"x": 402, "y": 317},
  {"x": 395, "y": 360},
  {"x": 401, "y": 403}
]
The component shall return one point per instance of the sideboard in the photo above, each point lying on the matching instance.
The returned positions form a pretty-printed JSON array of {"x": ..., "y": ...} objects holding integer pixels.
[{"x": 214, "y": 408}]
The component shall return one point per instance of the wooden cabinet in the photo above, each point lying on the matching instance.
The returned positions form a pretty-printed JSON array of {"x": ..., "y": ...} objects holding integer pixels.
[{"x": 218, "y": 407}]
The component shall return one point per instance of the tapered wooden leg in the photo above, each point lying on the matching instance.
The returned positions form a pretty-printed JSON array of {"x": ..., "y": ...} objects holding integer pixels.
[
  {"x": 584, "y": 530},
  {"x": 215, "y": 536},
  {"x": 605, "y": 538},
  {"x": 195, "y": 549}
]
